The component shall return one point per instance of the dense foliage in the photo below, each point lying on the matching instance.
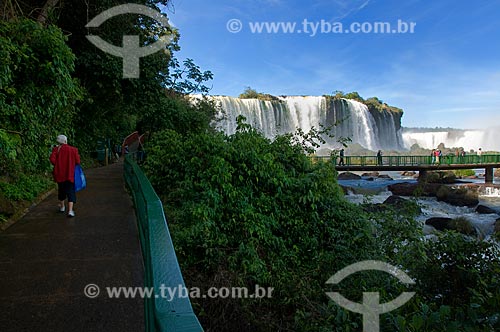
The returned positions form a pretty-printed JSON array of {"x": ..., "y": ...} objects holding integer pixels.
[
  {"x": 245, "y": 210},
  {"x": 259, "y": 213},
  {"x": 37, "y": 102},
  {"x": 52, "y": 83},
  {"x": 37, "y": 93}
]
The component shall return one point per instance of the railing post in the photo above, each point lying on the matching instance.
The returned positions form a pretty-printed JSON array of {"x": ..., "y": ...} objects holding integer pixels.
[{"x": 488, "y": 177}]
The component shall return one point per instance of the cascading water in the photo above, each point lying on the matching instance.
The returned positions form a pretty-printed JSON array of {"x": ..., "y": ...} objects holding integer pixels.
[
  {"x": 362, "y": 125},
  {"x": 372, "y": 130}
]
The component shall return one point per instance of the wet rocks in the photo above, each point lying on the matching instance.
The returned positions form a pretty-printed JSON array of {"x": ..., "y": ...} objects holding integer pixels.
[
  {"x": 411, "y": 189},
  {"x": 395, "y": 200},
  {"x": 481, "y": 209},
  {"x": 371, "y": 174},
  {"x": 438, "y": 177},
  {"x": 400, "y": 203},
  {"x": 460, "y": 196},
  {"x": 461, "y": 225},
  {"x": 403, "y": 189},
  {"x": 348, "y": 176}
]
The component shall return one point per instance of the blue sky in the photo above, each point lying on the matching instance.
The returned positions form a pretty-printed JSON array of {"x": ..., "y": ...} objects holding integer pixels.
[{"x": 447, "y": 73}]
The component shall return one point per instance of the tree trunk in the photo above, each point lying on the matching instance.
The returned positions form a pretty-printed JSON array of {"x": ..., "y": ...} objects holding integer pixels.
[{"x": 47, "y": 8}]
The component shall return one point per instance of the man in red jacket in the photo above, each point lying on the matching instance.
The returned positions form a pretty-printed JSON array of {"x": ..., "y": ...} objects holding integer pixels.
[{"x": 64, "y": 158}]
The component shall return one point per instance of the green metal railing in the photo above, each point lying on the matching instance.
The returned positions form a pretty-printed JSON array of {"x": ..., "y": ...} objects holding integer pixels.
[
  {"x": 161, "y": 268},
  {"x": 413, "y": 160}
]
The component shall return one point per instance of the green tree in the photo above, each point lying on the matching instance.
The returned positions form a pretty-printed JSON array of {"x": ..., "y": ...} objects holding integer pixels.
[
  {"x": 249, "y": 93},
  {"x": 37, "y": 91}
]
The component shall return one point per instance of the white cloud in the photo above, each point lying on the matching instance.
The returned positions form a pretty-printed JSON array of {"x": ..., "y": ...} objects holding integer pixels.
[{"x": 349, "y": 7}]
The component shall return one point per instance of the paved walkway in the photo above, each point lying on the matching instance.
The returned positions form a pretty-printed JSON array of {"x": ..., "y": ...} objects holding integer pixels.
[{"x": 47, "y": 259}]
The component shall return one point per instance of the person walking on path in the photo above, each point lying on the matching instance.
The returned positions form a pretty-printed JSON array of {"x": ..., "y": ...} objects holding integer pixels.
[
  {"x": 65, "y": 157},
  {"x": 341, "y": 160}
]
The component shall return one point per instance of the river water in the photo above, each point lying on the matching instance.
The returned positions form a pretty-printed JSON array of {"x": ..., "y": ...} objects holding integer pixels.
[{"x": 376, "y": 192}]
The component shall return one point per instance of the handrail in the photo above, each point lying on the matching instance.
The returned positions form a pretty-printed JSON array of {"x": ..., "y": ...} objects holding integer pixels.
[
  {"x": 161, "y": 268},
  {"x": 413, "y": 160}
]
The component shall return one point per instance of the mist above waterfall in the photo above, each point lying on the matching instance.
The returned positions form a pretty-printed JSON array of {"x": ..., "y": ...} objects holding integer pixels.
[
  {"x": 371, "y": 129},
  {"x": 486, "y": 139}
]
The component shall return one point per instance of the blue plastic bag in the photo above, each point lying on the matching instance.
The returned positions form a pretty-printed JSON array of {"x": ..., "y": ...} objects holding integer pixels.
[{"x": 80, "y": 181}]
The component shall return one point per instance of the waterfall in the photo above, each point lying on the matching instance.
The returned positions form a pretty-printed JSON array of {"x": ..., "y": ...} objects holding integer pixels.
[
  {"x": 453, "y": 138},
  {"x": 362, "y": 125},
  {"x": 372, "y": 130}
]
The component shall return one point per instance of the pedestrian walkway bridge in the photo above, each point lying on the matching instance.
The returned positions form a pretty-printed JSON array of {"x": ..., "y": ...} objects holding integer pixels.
[{"x": 421, "y": 164}]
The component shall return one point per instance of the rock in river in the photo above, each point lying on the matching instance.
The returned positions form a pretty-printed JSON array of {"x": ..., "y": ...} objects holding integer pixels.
[
  {"x": 481, "y": 209},
  {"x": 460, "y": 225},
  {"x": 459, "y": 196},
  {"x": 348, "y": 176}
]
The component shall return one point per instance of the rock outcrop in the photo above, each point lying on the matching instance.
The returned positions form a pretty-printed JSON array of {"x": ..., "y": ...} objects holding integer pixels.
[
  {"x": 461, "y": 225},
  {"x": 460, "y": 196},
  {"x": 371, "y": 174},
  {"x": 438, "y": 177},
  {"x": 348, "y": 176},
  {"x": 481, "y": 209},
  {"x": 411, "y": 189}
]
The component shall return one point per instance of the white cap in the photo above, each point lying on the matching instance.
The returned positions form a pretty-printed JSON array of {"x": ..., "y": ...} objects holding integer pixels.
[{"x": 61, "y": 139}]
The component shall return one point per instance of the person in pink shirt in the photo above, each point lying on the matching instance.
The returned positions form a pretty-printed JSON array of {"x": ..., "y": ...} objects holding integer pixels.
[{"x": 65, "y": 157}]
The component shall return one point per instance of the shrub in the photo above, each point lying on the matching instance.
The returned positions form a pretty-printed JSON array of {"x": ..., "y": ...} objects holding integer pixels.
[
  {"x": 26, "y": 187},
  {"x": 464, "y": 172}
]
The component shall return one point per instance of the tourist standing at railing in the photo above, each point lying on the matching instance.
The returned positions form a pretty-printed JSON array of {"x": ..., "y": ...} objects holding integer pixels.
[
  {"x": 64, "y": 158},
  {"x": 462, "y": 156},
  {"x": 433, "y": 155},
  {"x": 480, "y": 154},
  {"x": 341, "y": 159},
  {"x": 438, "y": 155},
  {"x": 379, "y": 157}
]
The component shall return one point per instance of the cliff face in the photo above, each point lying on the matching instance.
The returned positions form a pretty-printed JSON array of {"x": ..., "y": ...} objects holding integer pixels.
[
  {"x": 388, "y": 121},
  {"x": 373, "y": 129}
]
